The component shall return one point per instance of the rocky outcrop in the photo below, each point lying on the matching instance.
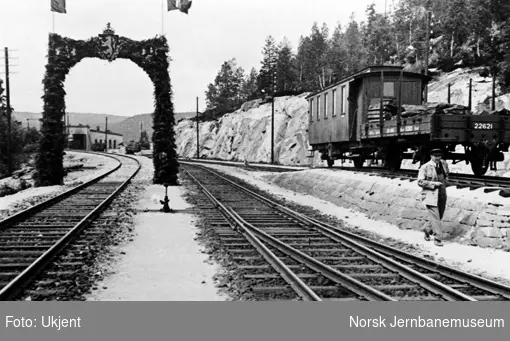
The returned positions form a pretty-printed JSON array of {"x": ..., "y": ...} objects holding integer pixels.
[
  {"x": 246, "y": 134},
  {"x": 481, "y": 93}
]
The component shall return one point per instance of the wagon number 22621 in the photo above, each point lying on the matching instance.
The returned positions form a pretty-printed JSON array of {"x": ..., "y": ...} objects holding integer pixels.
[{"x": 483, "y": 125}]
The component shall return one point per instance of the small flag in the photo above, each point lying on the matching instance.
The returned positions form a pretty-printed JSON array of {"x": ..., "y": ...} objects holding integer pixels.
[
  {"x": 172, "y": 5},
  {"x": 58, "y": 6},
  {"x": 185, "y": 6}
]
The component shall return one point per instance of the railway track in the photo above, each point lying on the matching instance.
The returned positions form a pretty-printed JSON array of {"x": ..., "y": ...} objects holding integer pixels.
[
  {"x": 287, "y": 255},
  {"x": 489, "y": 183},
  {"x": 31, "y": 239},
  {"x": 250, "y": 166}
]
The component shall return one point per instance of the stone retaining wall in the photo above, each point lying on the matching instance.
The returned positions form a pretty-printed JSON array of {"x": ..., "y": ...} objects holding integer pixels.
[{"x": 471, "y": 217}]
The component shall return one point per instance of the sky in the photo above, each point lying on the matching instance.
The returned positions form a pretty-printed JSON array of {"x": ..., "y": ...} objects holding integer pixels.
[{"x": 213, "y": 32}]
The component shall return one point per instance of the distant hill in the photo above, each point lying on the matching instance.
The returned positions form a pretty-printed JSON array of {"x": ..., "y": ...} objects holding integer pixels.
[
  {"x": 130, "y": 127},
  {"x": 92, "y": 120},
  {"x": 127, "y": 126}
]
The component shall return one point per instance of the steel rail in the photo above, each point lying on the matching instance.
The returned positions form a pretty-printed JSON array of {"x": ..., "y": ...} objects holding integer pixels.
[
  {"x": 491, "y": 183},
  {"x": 406, "y": 272},
  {"x": 264, "y": 166},
  {"x": 347, "y": 281},
  {"x": 290, "y": 277},
  {"x": 39, "y": 207},
  {"x": 23, "y": 279},
  {"x": 483, "y": 283}
]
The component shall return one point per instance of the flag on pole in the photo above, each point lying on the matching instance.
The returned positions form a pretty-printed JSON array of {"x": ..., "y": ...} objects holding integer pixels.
[
  {"x": 58, "y": 6},
  {"x": 181, "y": 5},
  {"x": 185, "y": 6},
  {"x": 172, "y": 5}
]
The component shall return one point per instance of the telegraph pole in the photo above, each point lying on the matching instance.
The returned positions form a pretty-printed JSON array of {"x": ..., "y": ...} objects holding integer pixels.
[
  {"x": 106, "y": 135},
  {"x": 427, "y": 44},
  {"x": 493, "y": 106},
  {"x": 8, "y": 98},
  {"x": 141, "y": 131},
  {"x": 272, "y": 114},
  {"x": 198, "y": 132}
]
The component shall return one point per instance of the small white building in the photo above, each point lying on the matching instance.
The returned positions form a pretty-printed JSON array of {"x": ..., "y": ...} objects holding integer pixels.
[{"x": 84, "y": 138}]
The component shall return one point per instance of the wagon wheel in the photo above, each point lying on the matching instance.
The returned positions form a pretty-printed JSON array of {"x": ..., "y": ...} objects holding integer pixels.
[
  {"x": 358, "y": 161},
  {"x": 393, "y": 159},
  {"x": 479, "y": 159}
]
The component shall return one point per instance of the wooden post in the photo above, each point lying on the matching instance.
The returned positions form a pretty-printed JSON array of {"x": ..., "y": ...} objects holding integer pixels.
[
  {"x": 198, "y": 132},
  {"x": 8, "y": 99},
  {"x": 470, "y": 87},
  {"x": 399, "y": 102},
  {"x": 494, "y": 91},
  {"x": 106, "y": 135},
  {"x": 381, "y": 104},
  {"x": 427, "y": 44}
]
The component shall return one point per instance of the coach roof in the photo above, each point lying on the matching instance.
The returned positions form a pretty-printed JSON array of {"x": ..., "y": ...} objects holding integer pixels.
[{"x": 373, "y": 70}]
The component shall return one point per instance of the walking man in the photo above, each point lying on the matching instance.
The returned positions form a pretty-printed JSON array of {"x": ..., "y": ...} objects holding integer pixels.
[{"x": 432, "y": 178}]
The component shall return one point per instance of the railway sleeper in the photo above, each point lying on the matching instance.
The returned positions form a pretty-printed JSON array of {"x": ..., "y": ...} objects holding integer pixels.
[
  {"x": 281, "y": 289},
  {"x": 26, "y": 243},
  {"x": 21, "y": 264},
  {"x": 24, "y": 227},
  {"x": 31, "y": 236},
  {"x": 23, "y": 247}
]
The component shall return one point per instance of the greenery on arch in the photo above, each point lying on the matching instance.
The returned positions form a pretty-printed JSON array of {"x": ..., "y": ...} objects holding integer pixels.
[{"x": 63, "y": 53}]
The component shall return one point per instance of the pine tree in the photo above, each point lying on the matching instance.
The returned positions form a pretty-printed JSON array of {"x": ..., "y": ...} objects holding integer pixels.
[
  {"x": 353, "y": 42},
  {"x": 285, "y": 70},
  {"x": 249, "y": 86},
  {"x": 337, "y": 54},
  {"x": 377, "y": 37},
  {"x": 225, "y": 93},
  {"x": 304, "y": 65},
  {"x": 269, "y": 58},
  {"x": 319, "y": 53}
]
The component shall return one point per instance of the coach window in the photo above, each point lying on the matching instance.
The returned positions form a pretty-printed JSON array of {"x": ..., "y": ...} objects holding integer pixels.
[
  {"x": 326, "y": 105},
  {"x": 389, "y": 89},
  {"x": 311, "y": 110},
  {"x": 333, "y": 102},
  {"x": 318, "y": 108},
  {"x": 343, "y": 101}
]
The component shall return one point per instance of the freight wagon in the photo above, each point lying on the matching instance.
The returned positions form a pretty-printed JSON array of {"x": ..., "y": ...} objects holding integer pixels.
[{"x": 379, "y": 114}]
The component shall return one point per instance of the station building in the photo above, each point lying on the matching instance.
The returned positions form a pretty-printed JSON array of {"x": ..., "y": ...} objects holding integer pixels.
[{"x": 81, "y": 137}]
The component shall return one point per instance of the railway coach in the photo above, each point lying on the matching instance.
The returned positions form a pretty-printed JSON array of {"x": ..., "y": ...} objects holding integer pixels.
[{"x": 379, "y": 113}]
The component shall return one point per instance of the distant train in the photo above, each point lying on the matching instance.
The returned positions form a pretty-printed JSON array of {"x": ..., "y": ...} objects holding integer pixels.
[
  {"x": 379, "y": 114},
  {"x": 133, "y": 147}
]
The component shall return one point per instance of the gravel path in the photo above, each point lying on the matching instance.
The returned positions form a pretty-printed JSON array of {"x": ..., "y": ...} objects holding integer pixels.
[{"x": 162, "y": 261}]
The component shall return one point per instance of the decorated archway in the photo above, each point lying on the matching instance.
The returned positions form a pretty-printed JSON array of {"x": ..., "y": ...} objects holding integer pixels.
[{"x": 151, "y": 55}]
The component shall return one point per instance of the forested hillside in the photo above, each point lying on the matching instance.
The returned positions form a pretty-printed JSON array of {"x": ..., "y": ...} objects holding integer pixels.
[{"x": 462, "y": 33}]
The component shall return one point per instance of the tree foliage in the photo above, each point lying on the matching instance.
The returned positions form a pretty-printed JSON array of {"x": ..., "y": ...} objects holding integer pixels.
[
  {"x": 226, "y": 92},
  {"x": 23, "y": 141},
  {"x": 462, "y": 33}
]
